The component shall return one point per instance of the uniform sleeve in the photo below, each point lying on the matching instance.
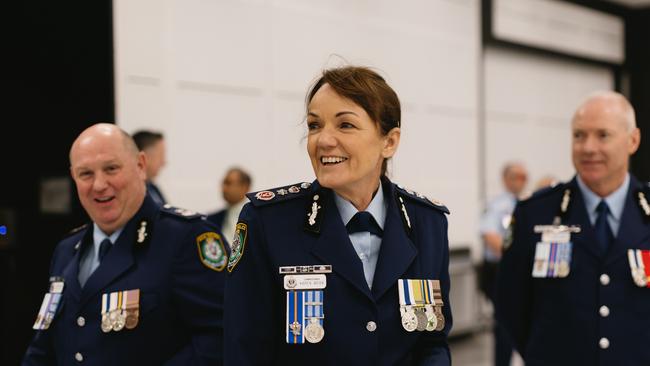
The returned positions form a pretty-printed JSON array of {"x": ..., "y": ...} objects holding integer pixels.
[
  {"x": 40, "y": 350},
  {"x": 198, "y": 297},
  {"x": 252, "y": 325},
  {"x": 514, "y": 285},
  {"x": 491, "y": 218},
  {"x": 433, "y": 349}
]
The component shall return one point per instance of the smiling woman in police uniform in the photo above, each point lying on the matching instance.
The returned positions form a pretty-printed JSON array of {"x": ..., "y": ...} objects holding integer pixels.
[{"x": 350, "y": 269}]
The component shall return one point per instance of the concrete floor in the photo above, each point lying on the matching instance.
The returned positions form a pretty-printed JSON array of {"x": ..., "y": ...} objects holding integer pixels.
[{"x": 476, "y": 350}]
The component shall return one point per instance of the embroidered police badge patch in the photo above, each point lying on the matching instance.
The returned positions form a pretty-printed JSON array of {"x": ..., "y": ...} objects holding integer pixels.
[
  {"x": 238, "y": 244},
  {"x": 211, "y": 250}
]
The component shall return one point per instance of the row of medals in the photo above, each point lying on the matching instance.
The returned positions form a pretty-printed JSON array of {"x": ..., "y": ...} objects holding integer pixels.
[
  {"x": 422, "y": 317},
  {"x": 118, "y": 319}
]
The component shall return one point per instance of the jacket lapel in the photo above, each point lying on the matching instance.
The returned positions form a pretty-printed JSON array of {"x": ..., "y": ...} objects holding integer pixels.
[
  {"x": 578, "y": 215},
  {"x": 397, "y": 250},
  {"x": 333, "y": 246},
  {"x": 120, "y": 258},
  {"x": 633, "y": 229},
  {"x": 71, "y": 270},
  {"x": 117, "y": 261}
]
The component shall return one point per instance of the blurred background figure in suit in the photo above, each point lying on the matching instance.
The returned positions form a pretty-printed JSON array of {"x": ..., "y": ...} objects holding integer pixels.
[
  {"x": 152, "y": 144},
  {"x": 234, "y": 187}
]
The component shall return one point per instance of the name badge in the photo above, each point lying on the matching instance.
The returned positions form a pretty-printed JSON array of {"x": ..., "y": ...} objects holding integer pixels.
[{"x": 305, "y": 282}]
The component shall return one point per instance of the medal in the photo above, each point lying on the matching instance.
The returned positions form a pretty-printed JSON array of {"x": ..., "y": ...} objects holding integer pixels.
[
  {"x": 638, "y": 259},
  {"x": 106, "y": 323},
  {"x": 432, "y": 319},
  {"x": 132, "y": 308},
  {"x": 409, "y": 319},
  {"x": 422, "y": 320},
  {"x": 440, "y": 317},
  {"x": 314, "y": 332},
  {"x": 120, "y": 321}
]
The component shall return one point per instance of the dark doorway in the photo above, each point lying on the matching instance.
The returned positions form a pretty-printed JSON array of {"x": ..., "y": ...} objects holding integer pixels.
[{"x": 60, "y": 80}]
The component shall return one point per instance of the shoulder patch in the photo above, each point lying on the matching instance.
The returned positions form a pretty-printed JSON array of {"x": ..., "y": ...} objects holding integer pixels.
[
  {"x": 544, "y": 192},
  {"x": 420, "y": 198},
  {"x": 238, "y": 245},
  {"x": 179, "y": 212},
  {"x": 211, "y": 250},
  {"x": 279, "y": 194}
]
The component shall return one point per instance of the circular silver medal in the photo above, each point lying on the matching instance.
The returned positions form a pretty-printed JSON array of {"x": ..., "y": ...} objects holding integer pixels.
[
  {"x": 120, "y": 321},
  {"x": 432, "y": 320},
  {"x": 409, "y": 320},
  {"x": 440, "y": 317},
  {"x": 314, "y": 332},
  {"x": 106, "y": 323},
  {"x": 639, "y": 277}
]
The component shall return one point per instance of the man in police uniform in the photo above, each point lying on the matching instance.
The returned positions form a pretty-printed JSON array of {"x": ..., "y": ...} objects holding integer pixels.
[
  {"x": 573, "y": 284},
  {"x": 494, "y": 222},
  {"x": 140, "y": 285}
]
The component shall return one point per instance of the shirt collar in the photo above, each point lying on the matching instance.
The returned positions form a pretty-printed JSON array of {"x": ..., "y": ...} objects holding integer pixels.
[
  {"x": 237, "y": 207},
  {"x": 99, "y": 235},
  {"x": 615, "y": 201},
  {"x": 377, "y": 208}
]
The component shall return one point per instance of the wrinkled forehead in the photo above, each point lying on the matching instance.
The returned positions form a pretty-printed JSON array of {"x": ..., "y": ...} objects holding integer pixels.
[{"x": 93, "y": 151}]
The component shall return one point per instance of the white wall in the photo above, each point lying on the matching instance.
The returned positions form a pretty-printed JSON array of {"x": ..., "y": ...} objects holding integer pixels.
[
  {"x": 225, "y": 81},
  {"x": 529, "y": 103}
]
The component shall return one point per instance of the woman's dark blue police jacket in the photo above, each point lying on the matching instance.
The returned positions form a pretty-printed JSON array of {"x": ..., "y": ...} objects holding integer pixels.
[{"x": 362, "y": 326}]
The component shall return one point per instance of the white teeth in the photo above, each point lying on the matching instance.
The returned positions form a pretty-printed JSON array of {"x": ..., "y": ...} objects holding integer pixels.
[
  {"x": 104, "y": 199},
  {"x": 332, "y": 159}
]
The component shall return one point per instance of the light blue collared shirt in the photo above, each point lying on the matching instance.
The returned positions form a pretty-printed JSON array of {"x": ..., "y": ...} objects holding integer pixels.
[
  {"x": 496, "y": 219},
  {"x": 90, "y": 260},
  {"x": 365, "y": 244},
  {"x": 615, "y": 201}
]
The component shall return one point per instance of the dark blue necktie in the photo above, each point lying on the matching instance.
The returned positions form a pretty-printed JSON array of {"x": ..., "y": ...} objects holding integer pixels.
[
  {"x": 104, "y": 247},
  {"x": 604, "y": 233},
  {"x": 363, "y": 221}
]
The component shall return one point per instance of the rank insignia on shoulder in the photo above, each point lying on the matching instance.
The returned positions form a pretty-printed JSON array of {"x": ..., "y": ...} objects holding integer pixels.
[
  {"x": 238, "y": 245},
  {"x": 211, "y": 250},
  {"x": 76, "y": 230},
  {"x": 181, "y": 212},
  {"x": 278, "y": 194},
  {"x": 418, "y": 197}
]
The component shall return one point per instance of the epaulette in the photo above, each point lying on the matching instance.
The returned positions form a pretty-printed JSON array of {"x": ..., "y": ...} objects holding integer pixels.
[
  {"x": 180, "y": 212},
  {"x": 279, "y": 194},
  {"x": 75, "y": 230},
  {"x": 544, "y": 192},
  {"x": 422, "y": 199}
]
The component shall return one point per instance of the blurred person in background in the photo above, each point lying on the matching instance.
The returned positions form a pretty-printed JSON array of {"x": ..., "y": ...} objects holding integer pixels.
[
  {"x": 152, "y": 144},
  {"x": 494, "y": 222},
  {"x": 234, "y": 187}
]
